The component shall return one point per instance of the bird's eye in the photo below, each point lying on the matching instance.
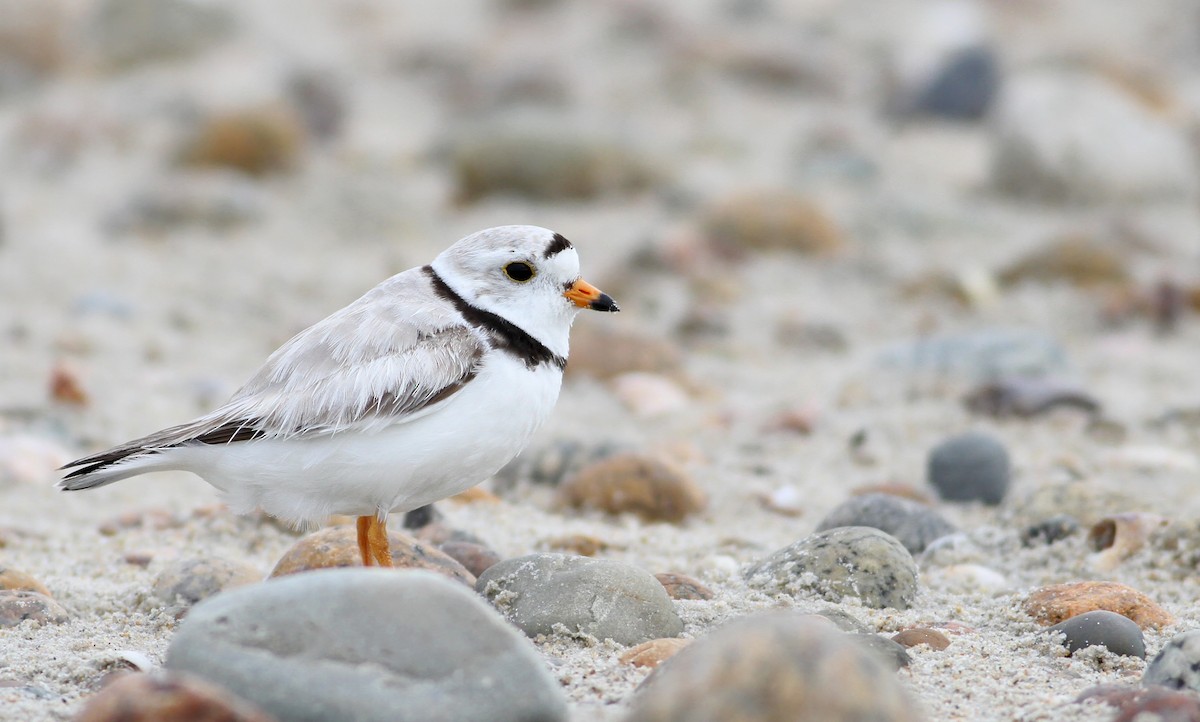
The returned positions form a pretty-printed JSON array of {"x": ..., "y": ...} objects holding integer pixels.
[{"x": 519, "y": 271}]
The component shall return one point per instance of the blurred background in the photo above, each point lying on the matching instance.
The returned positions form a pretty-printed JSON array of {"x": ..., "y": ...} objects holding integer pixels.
[{"x": 786, "y": 185}]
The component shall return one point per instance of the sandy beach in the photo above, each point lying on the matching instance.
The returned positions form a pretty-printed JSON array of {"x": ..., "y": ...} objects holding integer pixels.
[{"x": 156, "y": 270}]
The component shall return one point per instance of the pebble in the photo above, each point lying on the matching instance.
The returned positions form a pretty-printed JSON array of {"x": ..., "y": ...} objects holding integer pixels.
[
  {"x": 163, "y": 695},
  {"x": 980, "y": 355},
  {"x": 1060, "y": 602},
  {"x": 681, "y": 586},
  {"x": 859, "y": 562},
  {"x": 1177, "y": 665},
  {"x": 1048, "y": 531},
  {"x": 914, "y": 525},
  {"x": 645, "y": 485},
  {"x": 962, "y": 87},
  {"x": 17, "y": 606},
  {"x": 375, "y": 646},
  {"x": 337, "y": 546},
  {"x": 124, "y": 33},
  {"x": 608, "y": 353},
  {"x": 1069, "y": 136},
  {"x": 653, "y": 653},
  {"x": 17, "y": 580},
  {"x": 1028, "y": 397},
  {"x": 253, "y": 141},
  {"x": 970, "y": 467},
  {"x": 550, "y": 162},
  {"x": 475, "y": 558},
  {"x": 917, "y": 636},
  {"x": 598, "y": 597},
  {"x": 1116, "y": 633},
  {"x": 773, "y": 666},
  {"x": 184, "y": 582},
  {"x": 771, "y": 220},
  {"x": 1077, "y": 259},
  {"x": 552, "y": 463}
]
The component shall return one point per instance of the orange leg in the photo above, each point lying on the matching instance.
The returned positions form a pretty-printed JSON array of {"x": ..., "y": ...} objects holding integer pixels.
[
  {"x": 378, "y": 537},
  {"x": 364, "y": 539}
]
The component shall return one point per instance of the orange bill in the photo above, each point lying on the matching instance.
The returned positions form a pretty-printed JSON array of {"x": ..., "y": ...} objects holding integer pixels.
[{"x": 585, "y": 295}]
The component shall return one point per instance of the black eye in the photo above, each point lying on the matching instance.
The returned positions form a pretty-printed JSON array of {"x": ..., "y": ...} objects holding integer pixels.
[{"x": 519, "y": 271}]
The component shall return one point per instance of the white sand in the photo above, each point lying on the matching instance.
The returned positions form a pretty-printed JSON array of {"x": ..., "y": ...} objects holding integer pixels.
[{"x": 198, "y": 310}]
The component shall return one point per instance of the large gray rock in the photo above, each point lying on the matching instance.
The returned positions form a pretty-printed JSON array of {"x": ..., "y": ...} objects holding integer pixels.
[
  {"x": 1070, "y": 136},
  {"x": 773, "y": 666},
  {"x": 604, "y": 598},
  {"x": 366, "y": 644},
  {"x": 854, "y": 561}
]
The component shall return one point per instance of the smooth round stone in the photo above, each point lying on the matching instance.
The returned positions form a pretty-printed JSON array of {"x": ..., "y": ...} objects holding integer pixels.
[
  {"x": 963, "y": 87},
  {"x": 17, "y": 606},
  {"x": 773, "y": 666},
  {"x": 337, "y": 546},
  {"x": 917, "y": 636},
  {"x": 970, "y": 467},
  {"x": 850, "y": 561},
  {"x": 17, "y": 580},
  {"x": 163, "y": 695},
  {"x": 366, "y": 644},
  {"x": 914, "y": 525},
  {"x": 644, "y": 485},
  {"x": 1116, "y": 633},
  {"x": 1177, "y": 665},
  {"x": 184, "y": 582},
  {"x": 1059, "y": 602},
  {"x": 599, "y": 597}
]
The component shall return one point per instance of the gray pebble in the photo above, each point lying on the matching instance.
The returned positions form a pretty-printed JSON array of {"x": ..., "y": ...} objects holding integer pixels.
[
  {"x": 599, "y": 597},
  {"x": 963, "y": 87},
  {"x": 850, "y": 561},
  {"x": 1116, "y": 633},
  {"x": 914, "y": 525},
  {"x": 1177, "y": 665},
  {"x": 366, "y": 645},
  {"x": 970, "y": 467},
  {"x": 20, "y": 605},
  {"x": 776, "y": 665}
]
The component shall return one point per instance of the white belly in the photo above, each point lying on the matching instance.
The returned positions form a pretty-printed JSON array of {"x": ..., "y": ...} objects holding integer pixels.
[{"x": 459, "y": 444}]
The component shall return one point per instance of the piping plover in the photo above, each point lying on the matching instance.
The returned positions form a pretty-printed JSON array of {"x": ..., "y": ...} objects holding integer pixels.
[{"x": 422, "y": 388}]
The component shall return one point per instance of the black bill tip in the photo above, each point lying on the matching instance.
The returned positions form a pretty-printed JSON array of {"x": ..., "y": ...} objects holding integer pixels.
[{"x": 604, "y": 303}]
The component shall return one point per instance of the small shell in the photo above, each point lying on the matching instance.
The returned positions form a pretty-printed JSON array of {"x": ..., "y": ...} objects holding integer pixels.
[{"x": 1116, "y": 538}]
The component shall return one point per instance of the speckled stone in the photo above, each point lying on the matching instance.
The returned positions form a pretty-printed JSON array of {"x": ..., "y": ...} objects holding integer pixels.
[
  {"x": 184, "y": 582},
  {"x": 1116, "y": 633},
  {"x": 163, "y": 695},
  {"x": 599, "y": 597},
  {"x": 19, "y": 606},
  {"x": 1177, "y": 665},
  {"x": 772, "y": 666},
  {"x": 369, "y": 645},
  {"x": 970, "y": 467},
  {"x": 1060, "y": 602},
  {"x": 850, "y": 561},
  {"x": 681, "y": 586},
  {"x": 644, "y": 485},
  {"x": 337, "y": 546},
  {"x": 914, "y": 525},
  {"x": 17, "y": 580}
]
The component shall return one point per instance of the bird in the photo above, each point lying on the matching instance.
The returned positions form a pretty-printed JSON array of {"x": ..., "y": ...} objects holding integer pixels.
[{"x": 422, "y": 388}]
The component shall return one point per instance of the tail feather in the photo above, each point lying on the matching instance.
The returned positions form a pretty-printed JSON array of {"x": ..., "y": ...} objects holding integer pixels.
[{"x": 107, "y": 467}]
